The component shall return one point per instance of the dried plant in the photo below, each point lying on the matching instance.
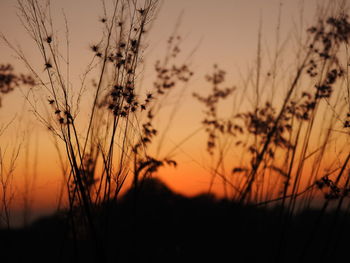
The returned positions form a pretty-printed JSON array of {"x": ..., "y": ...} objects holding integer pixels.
[
  {"x": 9, "y": 80},
  {"x": 277, "y": 135},
  {"x": 112, "y": 123}
]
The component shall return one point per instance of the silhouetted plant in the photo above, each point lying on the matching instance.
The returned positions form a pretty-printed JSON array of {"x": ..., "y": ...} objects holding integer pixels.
[
  {"x": 113, "y": 111},
  {"x": 212, "y": 122},
  {"x": 284, "y": 130},
  {"x": 169, "y": 77},
  {"x": 9, "y": 80}
]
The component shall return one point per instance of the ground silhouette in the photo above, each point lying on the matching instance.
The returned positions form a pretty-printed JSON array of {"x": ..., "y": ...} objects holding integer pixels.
[{"x": 154, "y": 224}]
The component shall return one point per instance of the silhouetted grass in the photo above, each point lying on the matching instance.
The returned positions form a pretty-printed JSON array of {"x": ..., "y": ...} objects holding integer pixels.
[
  {"x": 283, "y": 136},
  {"x": 9, "y": 81},
  {"x": 268, "y": 211}
]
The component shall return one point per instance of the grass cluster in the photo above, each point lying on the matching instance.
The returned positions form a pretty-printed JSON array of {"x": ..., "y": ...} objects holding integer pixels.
[{"x": 284, "y": 140}]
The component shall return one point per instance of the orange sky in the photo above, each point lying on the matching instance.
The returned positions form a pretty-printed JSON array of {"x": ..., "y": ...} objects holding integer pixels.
[{"x": 220, "y": 31}]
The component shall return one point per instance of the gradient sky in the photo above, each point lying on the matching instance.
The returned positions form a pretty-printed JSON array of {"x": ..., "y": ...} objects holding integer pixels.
[{"x": 223, "y": 32}]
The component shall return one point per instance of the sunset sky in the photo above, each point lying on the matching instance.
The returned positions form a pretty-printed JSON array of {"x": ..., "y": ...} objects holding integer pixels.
[{"x": 223, "y": 32}]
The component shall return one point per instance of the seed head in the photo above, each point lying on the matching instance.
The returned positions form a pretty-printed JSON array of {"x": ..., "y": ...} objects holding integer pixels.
[
  {"x": 48, "y": 65},
  {"x": 95, "y": 48},
  {"x": 134, "y": 43},
  {"x": 141, "y": 11}
]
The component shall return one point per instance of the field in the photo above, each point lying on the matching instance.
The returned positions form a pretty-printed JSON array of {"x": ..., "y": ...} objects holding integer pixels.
[{"x": 136, "y": 156}]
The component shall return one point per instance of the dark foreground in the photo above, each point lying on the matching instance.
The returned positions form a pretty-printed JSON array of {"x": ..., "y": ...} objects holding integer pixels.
[{"x": 156, "y": 225}]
